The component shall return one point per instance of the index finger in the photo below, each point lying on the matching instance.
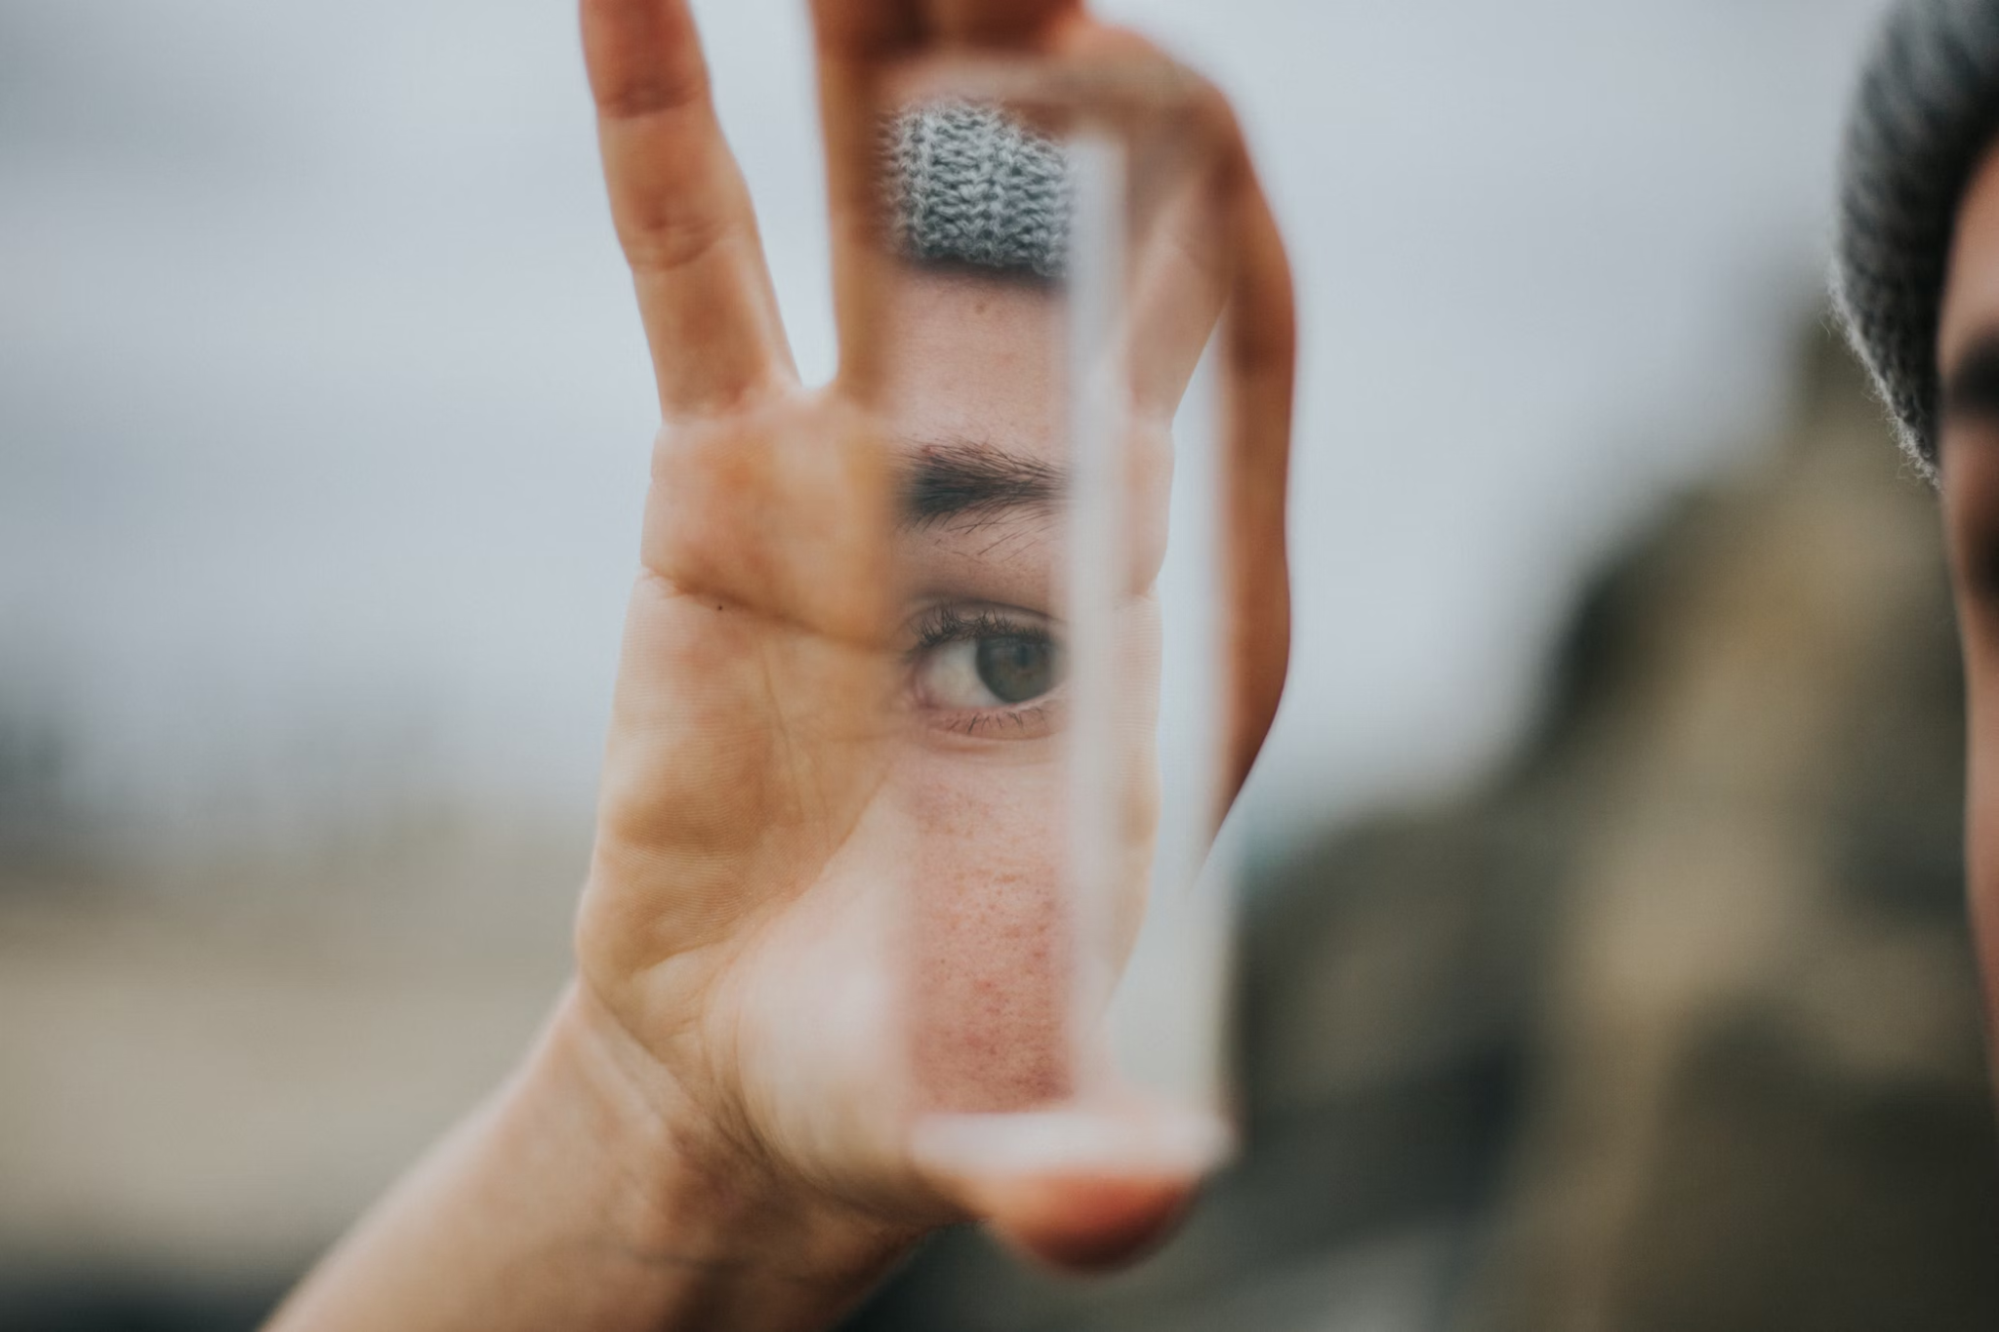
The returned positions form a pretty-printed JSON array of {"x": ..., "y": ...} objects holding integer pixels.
[{"x": 681, "y": 209}]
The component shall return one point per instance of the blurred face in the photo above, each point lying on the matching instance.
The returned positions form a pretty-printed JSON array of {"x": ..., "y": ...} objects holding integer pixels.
[{"x": 1968, "y": 452}]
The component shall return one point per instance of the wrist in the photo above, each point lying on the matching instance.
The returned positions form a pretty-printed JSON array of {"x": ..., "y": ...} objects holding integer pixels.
[{"x": 717, "y": 1231}]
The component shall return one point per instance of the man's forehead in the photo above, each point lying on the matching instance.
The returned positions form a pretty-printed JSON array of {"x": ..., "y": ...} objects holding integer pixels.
[
  {"x": 969, "y": 320},
  {"x": 972, "y": 369}
]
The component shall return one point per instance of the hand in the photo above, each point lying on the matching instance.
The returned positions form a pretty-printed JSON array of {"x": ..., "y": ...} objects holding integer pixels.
[
  {"x": 739, "y": 930},
  {"x": 727, "y": 1120}
]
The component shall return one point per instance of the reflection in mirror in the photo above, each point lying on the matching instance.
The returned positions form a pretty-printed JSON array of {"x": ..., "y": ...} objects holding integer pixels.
[{"x": 1045, "y": 299}]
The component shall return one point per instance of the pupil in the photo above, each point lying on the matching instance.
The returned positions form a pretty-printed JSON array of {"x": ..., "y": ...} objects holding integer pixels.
[{"x": 1015, "y": 669}]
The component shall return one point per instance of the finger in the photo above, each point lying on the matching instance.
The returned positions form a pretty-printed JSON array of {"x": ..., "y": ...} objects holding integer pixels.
[
  {"x": 1179, "y": 286},
  {"x": 995, "y": 23},
  {"x": 1261, "y": 346},
  {"x": 855, "y": 41},
  {"x": 1181, "y": 149},
  {"x": 681, "y": 209},
  {"x": 1087, "y": 1221},
  {"x": 1080, "y": 1189},
  {"x": 1260, "y": 349}
]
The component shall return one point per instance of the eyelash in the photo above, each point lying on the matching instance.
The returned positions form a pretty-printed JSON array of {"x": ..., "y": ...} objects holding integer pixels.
[
  {"x": 946, "y": 624},
  {"x": 941, "y": 625}
]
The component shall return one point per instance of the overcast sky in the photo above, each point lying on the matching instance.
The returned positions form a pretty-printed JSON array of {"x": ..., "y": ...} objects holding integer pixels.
[{"x": 324, "y": 413}]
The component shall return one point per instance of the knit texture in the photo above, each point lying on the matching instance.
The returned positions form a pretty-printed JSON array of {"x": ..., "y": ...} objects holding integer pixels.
[
  {"x": 1925, "y": 111},
  {"x": 971, "y": 185}
]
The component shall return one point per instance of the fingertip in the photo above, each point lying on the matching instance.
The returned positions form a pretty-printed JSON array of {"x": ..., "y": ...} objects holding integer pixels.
[
  {"x": 1078, "y": 1190},
  {"x": 997, "y": 23},
  {"x": 641, "y": 55},
  {"x": 864, "y": 28},
  {"x": 1091, "y": 1223}
]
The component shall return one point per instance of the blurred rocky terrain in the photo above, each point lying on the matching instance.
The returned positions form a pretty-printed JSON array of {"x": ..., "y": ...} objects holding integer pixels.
[{"x": 1670, "y": 1021}]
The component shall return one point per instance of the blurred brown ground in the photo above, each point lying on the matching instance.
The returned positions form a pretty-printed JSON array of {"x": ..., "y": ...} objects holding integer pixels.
[
  {"x": 1671, "y": 1021},
  {"x": 204, "y": 1079}
]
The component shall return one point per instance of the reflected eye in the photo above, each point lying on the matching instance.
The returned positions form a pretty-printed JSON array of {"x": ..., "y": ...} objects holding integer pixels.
[
  {"x": 988, "y": 666},
  {"x": 1013, "y": 668},
  {"x": 986, "y": 672}
]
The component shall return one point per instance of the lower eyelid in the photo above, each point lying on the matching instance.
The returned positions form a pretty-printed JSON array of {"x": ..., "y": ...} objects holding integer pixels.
[
  {"x": 986, "y": 722},
  {"x": 1042, "y": 715}
]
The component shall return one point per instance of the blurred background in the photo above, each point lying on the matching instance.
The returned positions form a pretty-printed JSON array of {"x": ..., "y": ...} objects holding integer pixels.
[{"x": 1603, "y": 954}]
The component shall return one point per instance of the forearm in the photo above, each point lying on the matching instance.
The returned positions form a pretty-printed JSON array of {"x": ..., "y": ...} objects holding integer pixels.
[{"x": 572, "y": 1198}]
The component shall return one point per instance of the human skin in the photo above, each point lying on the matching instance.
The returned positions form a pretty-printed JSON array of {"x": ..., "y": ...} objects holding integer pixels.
[
  {"x": 722, "y": 1122},
  {"x": 991, "y": 942},
  {"x": 1968, "y": 472}
]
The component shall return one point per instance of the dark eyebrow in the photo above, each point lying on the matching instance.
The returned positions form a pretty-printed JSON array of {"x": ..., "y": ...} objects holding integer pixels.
[
  {"x": 968, "y": 478},
  {"x": 1972, "y": 391}
]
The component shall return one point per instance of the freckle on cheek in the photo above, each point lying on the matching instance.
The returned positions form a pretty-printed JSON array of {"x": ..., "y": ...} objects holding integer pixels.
[{"x": 992, "y": 959}]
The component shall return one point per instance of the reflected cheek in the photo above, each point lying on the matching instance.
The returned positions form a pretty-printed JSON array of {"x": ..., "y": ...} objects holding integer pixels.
[
  {"x": 992, "y": 942},
  {"x": 1971, "y": 524},
  {"x": 1982, "y": 801}
]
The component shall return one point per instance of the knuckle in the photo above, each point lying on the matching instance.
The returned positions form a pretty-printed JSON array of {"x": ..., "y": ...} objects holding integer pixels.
[
  {"x": 656, "y": 91},
  {"x": 670, "y": 235}
]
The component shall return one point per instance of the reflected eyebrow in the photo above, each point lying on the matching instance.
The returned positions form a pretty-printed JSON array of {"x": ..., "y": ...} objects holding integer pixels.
[
  {"x": 1972, "y": 391},
  {"x": 968, "y": 478}
]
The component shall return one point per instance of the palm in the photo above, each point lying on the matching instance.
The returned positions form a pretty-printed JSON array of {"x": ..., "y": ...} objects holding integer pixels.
[{"x": 734, "y": 919}]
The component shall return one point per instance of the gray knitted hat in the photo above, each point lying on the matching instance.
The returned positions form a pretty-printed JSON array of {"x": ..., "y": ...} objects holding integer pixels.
[
  {"x": 971, "y": 185},
  {"x": 1925, "y": 111}
]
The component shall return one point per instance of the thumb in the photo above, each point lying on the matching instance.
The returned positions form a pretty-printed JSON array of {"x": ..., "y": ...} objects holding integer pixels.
[{"x": 1083, "y": 1187}]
